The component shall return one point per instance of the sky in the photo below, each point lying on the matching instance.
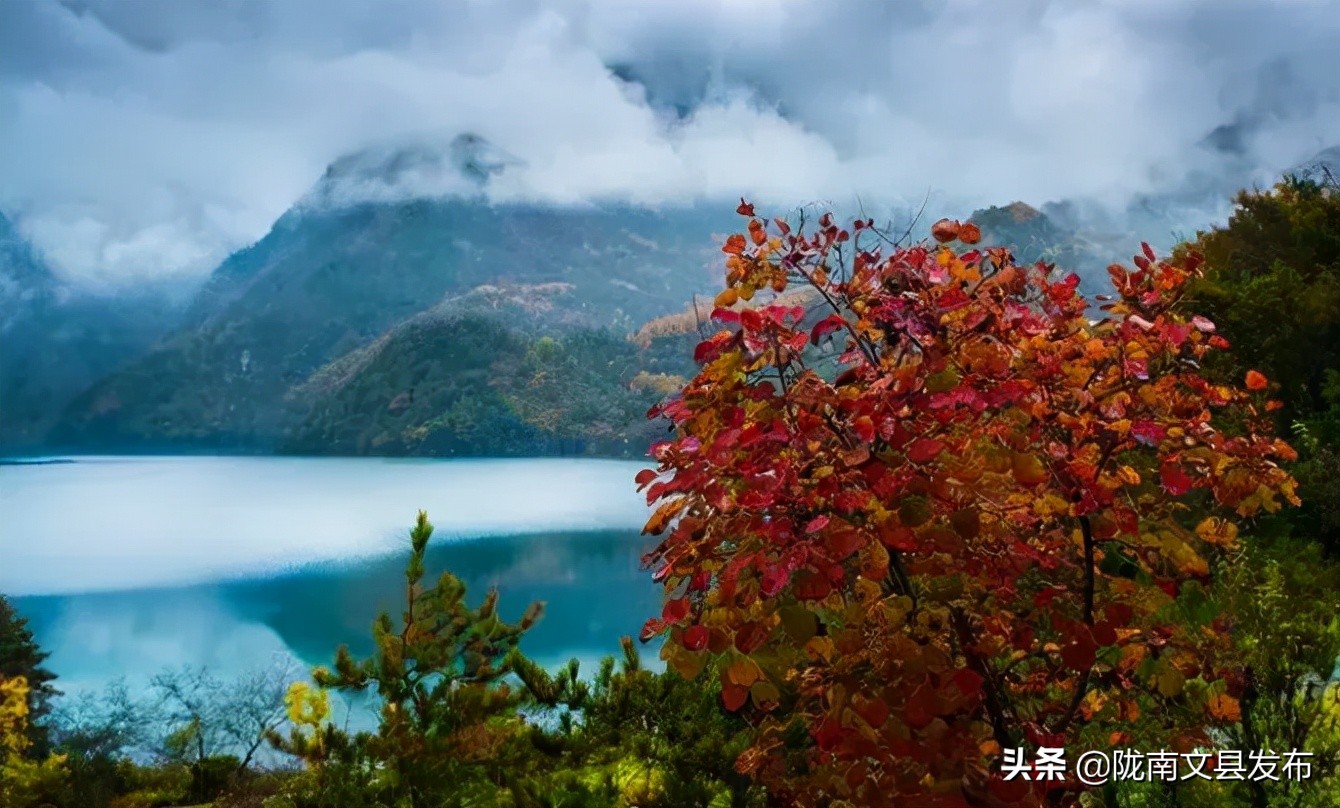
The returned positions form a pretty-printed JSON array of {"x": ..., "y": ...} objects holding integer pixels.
[{"x": 148, "y": 139}]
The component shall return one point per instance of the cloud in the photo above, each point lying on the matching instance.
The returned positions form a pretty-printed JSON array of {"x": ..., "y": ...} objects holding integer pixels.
[{"x": 149, "y": 139}]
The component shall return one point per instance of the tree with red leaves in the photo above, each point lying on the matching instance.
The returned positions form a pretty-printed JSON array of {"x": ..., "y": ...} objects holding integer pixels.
[{"x": 981, "y": 531}]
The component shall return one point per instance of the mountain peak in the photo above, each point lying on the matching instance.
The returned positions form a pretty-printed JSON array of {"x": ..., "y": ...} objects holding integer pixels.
[
  {"x": 1323, "y": 164},
  {"x": 386, "y": 174},
  {"x": 1016, "y": 212}
]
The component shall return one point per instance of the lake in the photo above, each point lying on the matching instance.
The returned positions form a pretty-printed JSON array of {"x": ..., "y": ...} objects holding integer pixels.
[{"x": 124, "y": 565}]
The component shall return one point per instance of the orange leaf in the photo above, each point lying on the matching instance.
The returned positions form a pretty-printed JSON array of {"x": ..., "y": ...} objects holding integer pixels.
[
  {"x": 662, "y": 516},
  {"x": 734, "y": 245},
  {"x": 945, "y": 230},
  {"x": 1256, "y": 380},
  {"x": 743, "y": 672},
  {"x": 1224, "y": 707}
]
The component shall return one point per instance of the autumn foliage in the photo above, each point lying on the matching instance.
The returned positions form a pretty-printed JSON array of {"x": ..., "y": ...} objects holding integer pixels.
[{"x": 981, "y": 531}]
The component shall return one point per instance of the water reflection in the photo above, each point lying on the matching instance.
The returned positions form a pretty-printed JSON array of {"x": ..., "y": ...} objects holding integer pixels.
[{"x": 591, "y": 582}]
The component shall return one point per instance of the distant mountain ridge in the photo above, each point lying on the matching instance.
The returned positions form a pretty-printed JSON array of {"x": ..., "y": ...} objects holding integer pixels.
[
  {"x": 336, "y": 273},
  {"x": 394, "y": 310}
]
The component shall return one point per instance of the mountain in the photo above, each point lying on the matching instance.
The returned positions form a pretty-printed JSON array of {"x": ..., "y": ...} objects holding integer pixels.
[
  {"x": 56, "y": 341},
  {"x": 1324, "y": 167},
  {"x": 349, "y": 268},
  {"x": 461, "y": 380},
  {"x": 394, "y": 310}
]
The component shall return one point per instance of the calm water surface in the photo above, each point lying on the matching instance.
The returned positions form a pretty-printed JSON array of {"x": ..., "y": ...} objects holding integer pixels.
[{"x": 127, "y": 565}]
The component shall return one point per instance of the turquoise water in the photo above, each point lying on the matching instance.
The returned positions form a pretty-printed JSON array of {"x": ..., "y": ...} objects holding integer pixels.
[{"x": 127, "y": 565}]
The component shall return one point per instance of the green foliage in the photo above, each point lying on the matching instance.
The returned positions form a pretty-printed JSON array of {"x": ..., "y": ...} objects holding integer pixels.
[
  {"x": 21, "y": 657},
  {"x": 1272, "y": 288},
  {"x": 448, "y": 721},
  {"x": 1284, "y": 602},
  {"x": 646, "y": 738},
  {"x": 472, "y": 384}
]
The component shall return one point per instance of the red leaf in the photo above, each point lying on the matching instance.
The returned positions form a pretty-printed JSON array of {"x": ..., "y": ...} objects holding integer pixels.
[
  {"x": 745, "y": 208},
  {"x": 675, "y": 610},
  {"x": 842, "y": 543},
  {"x": 968, "y": 682},
  {"x": 924, "y": 450},
  {"x": 711, "y": 348},
  {"x": 826, "y": 326},
  {"x": 733, "y": 696},
  {"x": 874, "y": 711},
  {"x": 650, "y": 629},
  {"x": 829, "y": 734},
  {"x": 773, "y": 580},
  {"x": 750, "y": 637},
  {"x": 1119, "y": 613},
  {"x": 898, "y": 538},
  {"x": 817, "y": 524},
  {"x": 734, "y": 245},
  {"x": 1147, "y": 432},
  {"x": 1256, "y": 380},
  {"x": 1079, "y": 653},
  {"x": 695, "y": 637},
  {"x": 757, "y": 233},
  {"x": 917, "y": 714},
  {"x": 726, "y": 316},
  {"x": 1174, "y": 478},
  {"x": 1104, "y": 633},
  {"x": 809, "y": 586}
]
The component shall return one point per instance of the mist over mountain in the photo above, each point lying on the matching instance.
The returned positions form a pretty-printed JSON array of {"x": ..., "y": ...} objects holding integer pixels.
[
  {"x": 345, "y": 270},
  {"x": 396, "y": 308},
  {"x": 55, "y": 341}
]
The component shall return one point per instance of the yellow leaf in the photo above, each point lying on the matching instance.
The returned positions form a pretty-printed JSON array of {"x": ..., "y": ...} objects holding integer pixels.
[
  {"x": 820, "y": 648},
  {"x": 727, "y": 298},
  {"x": 764, "y": 693},
  {"x": 1051, "y": 504},
  {"x": 743, "y": 672},
  {"x": 1218, "y": 531},
  {"x": 1169, "y": 681},
  {"x": 687, "y": 665},
  {"x": 867, "y": 591},
  {"x": 1028, "y": 469}
]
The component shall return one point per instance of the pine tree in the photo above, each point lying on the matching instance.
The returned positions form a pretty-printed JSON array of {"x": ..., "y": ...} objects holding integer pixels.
[
  {"x": 448, "y": 717},
  {"x": 20, "y": 656}
]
